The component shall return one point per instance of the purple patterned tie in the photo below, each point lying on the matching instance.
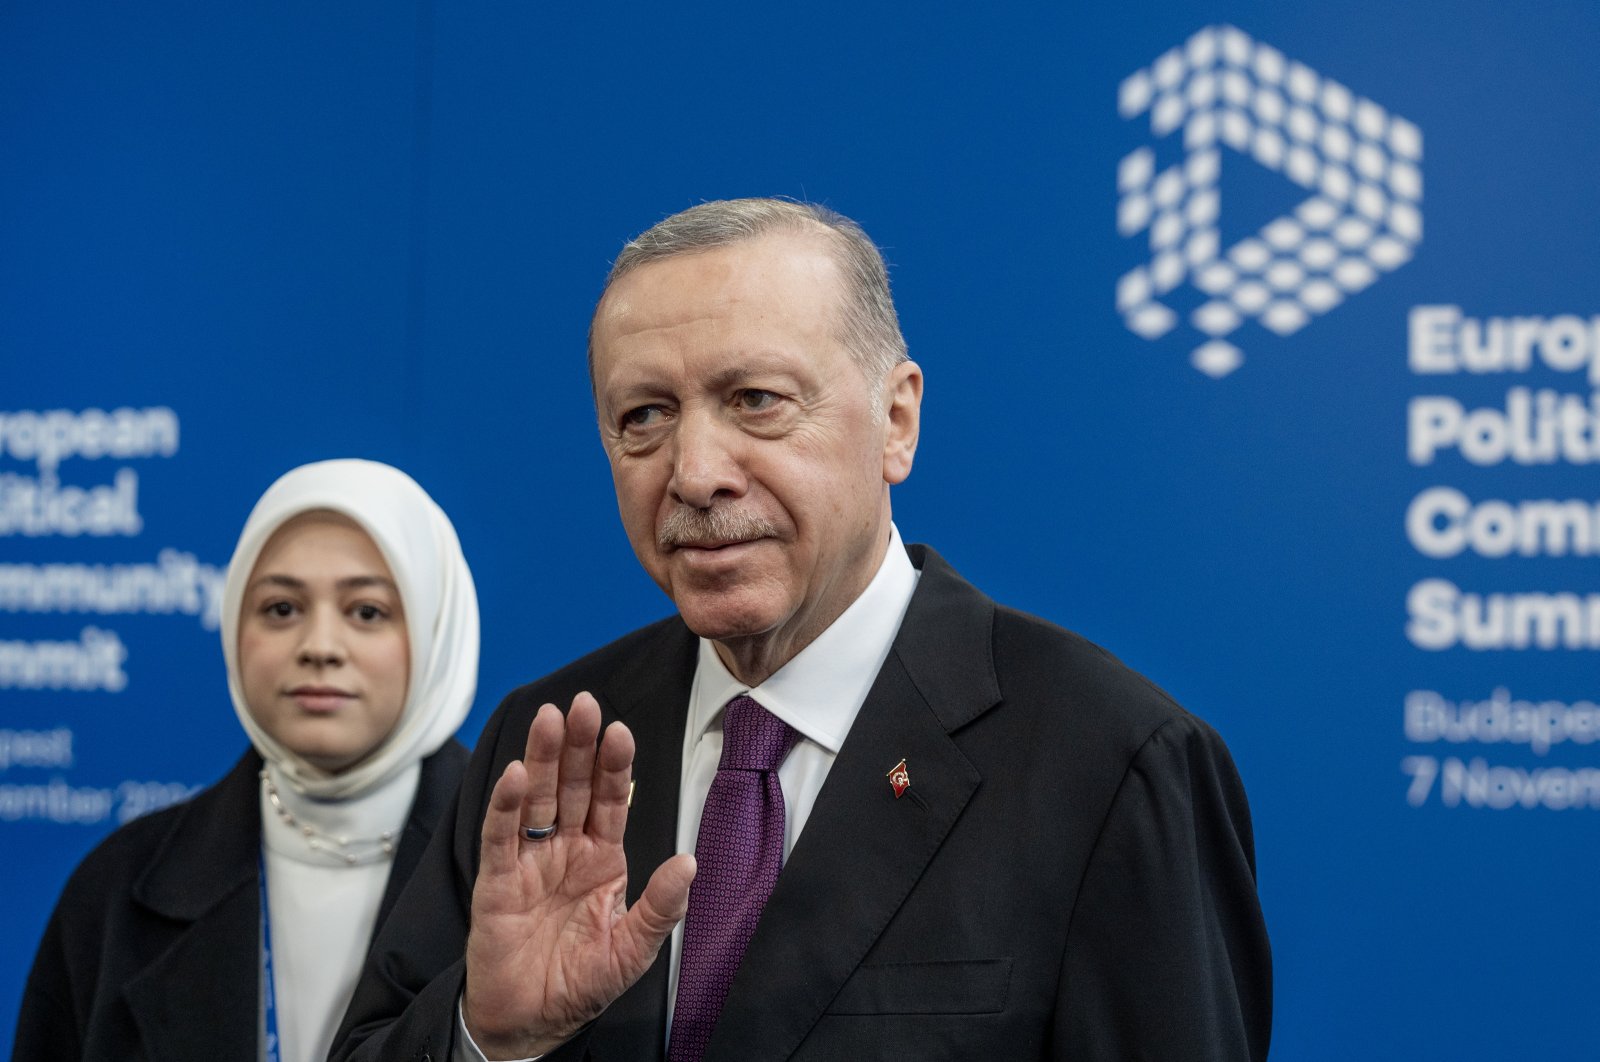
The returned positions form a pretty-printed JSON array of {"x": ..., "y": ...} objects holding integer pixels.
[{"x": 739, "y": 852}]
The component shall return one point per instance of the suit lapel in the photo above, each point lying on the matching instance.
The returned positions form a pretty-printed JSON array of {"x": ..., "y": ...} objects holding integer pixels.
[
  {"x": 862, "y": 849},
  {"x": 205, "y": 880},
  {"x": 650, "y": 693}
]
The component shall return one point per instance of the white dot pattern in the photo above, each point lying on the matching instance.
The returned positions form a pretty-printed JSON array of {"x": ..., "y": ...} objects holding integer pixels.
[
  {"x": 739, "y": 852},
  {"x": 1360, "y": 164}
]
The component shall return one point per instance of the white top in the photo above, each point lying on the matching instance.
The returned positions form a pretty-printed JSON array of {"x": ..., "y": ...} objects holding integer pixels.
[
  {"x": 818, "y": 693},
  {"x": 322, "y": 907}
]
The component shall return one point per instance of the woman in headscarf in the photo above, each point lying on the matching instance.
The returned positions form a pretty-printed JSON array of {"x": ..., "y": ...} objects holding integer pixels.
[{"x": 234, "y": 925}]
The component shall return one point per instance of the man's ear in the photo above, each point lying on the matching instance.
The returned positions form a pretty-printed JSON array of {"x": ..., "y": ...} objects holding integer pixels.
[{"x": 902, "y": 397}]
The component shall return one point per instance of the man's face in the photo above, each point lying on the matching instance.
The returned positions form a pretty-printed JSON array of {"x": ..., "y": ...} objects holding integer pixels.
[{"x": 751, "y": 473}]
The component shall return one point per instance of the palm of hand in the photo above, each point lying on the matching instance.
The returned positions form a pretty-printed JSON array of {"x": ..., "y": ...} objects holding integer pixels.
[{"x": 553, "y": 942}]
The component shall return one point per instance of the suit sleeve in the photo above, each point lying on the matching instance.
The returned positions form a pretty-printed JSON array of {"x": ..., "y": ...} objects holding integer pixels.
[
  {"x": 1167, "y": 954},
  {"x": 404, "y": 1006}
]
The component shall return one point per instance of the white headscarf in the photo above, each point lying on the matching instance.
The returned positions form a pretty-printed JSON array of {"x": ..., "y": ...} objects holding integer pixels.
[{"x": 441, "y": 608}]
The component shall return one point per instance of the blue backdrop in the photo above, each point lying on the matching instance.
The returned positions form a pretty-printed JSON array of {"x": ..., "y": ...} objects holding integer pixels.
[{"x": 1252, "y": 333}]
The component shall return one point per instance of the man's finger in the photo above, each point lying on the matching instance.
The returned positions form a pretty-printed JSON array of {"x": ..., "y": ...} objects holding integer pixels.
[
  {"x": 660, "y": 907},
  {"x": 608, "y": 810},
  {"x": 500, "y": 835},
  {"x": 542, "y": 760},
  {"x": 577, "y": 762}
]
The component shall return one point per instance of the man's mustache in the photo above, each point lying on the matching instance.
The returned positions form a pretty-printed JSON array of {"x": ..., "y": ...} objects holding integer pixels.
[{"x": 719, "y": 526}]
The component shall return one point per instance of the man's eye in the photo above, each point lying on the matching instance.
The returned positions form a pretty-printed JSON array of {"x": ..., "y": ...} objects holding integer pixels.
[
  {"x": 753, "y": 400},
  {"x": 642, "y": 417}
]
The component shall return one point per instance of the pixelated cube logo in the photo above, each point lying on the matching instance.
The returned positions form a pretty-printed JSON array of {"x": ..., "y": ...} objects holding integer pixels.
[{"x": 1360, "y": 165}]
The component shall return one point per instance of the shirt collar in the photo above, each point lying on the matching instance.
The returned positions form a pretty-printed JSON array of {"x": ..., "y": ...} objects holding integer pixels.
[{"x": 820, "y": 691}]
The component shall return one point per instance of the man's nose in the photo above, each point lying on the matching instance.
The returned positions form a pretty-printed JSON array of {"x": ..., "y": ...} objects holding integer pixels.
[
  {"x": 705, "y": 461},
  {"x": 321, "y": 644}
]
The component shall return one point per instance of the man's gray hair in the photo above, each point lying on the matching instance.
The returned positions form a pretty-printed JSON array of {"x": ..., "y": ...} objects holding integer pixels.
[{"x": 868, "y": 326}]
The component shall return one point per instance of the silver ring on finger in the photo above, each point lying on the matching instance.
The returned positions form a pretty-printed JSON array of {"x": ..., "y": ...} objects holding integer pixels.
[{"x": 538, "y": 833}]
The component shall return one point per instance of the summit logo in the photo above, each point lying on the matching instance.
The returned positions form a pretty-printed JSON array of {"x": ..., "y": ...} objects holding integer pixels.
[{"x": 1360, "y": 165}]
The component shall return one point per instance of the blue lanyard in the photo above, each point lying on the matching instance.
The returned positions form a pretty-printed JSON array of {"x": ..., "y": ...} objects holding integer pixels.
[{"x": 269, "y": 996}]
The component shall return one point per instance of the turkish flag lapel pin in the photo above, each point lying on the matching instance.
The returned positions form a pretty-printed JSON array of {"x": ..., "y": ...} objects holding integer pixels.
[{"x": 899, "y": 779}]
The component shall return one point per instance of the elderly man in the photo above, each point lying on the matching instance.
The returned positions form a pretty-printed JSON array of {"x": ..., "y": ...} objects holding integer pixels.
[{"x": 923, "y": 825}]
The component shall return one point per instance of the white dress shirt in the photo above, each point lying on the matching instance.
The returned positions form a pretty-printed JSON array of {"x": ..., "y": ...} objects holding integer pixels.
[{"x": 818, "y": 693}]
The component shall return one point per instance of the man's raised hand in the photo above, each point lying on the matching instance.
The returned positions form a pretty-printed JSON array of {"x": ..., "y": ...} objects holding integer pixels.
[{"x": 553, "y": 942}]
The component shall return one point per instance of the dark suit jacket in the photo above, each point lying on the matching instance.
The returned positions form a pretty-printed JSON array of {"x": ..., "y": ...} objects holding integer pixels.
[
  {"x": 154, "y": 949},
  {"x": 1070, "y": 875}
]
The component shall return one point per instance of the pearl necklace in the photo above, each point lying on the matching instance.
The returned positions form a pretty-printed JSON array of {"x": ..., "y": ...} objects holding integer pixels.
[{"x": 351, "y": 850}]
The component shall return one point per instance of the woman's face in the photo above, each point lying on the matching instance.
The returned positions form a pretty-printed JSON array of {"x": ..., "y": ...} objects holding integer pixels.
[{"x": 323, "y": 653}]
